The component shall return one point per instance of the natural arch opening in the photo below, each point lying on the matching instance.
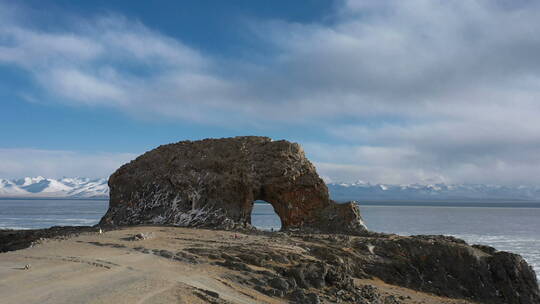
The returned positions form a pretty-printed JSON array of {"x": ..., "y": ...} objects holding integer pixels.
[{"x": 264, "y": 217}]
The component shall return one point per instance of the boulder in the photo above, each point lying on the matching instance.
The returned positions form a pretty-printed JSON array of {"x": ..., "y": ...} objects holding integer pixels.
[{"x": 214, "y": 183}]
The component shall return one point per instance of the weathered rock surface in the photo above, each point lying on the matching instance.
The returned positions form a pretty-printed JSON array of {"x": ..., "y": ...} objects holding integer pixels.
[{"x": 214, "y": 182}]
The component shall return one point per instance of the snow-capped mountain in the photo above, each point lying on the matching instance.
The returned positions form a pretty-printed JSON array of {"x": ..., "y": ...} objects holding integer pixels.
[
  {"x": 40, "y": 187},
  {"x": 367, "y": 191}
]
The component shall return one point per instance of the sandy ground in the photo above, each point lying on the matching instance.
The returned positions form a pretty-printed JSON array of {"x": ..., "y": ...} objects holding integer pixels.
[{"x": 108, "y": 268}]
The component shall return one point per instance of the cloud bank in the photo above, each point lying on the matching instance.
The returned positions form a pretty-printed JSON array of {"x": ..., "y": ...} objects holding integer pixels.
[
  {"x": 16, "y": 163},
  {"x": 409, "y": 91}
]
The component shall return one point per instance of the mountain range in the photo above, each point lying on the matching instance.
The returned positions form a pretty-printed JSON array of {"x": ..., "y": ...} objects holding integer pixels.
[
  {"x": 67, "y": 187},
  {"x": 78, "y": 188},
  {"x": 418, "y": 192}
]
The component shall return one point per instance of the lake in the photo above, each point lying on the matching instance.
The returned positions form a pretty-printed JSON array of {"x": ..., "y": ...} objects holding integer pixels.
[{"x": 505, "y": 226}]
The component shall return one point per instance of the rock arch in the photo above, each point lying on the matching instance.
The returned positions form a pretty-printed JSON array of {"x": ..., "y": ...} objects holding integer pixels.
[
  {"x": 264, "y": 216},
  {"x": 214, "y": 182}
]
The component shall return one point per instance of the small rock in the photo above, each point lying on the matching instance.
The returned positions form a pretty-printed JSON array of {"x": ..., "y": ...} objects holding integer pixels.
[
  {"x": 210, "y": 293},
  {"x": 231, "y": 258},
  {"x": 391, "y": 300},
  {"x": 279, "y": 284},
  {"x": 292, "y": 283},
  {"x": 186, "y": 257},
  {"x": 279, "y": 258},
  {"x": 302, "y": 298},
  {"x": 270, "y": 291},
  {"x": 165, "y": 253},
  {"x": 256, "y": 281},
  {"x": 234, "y": 265},
  {"x": 275, "y": 293},
  {"x": 140, "y": 237}
]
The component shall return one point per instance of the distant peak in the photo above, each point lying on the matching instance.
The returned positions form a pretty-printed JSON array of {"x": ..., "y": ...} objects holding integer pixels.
[{"x": 65, "y": 187}]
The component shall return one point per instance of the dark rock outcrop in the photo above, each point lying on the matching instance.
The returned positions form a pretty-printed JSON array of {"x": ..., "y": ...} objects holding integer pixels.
[
  {"x": 11, "y": 240},
  {"x": 450, "y": 267},
  {"x": 214, "y": 183},
  {"x": 332, "y": 265}
]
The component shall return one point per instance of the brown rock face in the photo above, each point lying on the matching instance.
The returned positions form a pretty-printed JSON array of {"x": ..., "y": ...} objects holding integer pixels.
[{"x": 214, "y": 182}]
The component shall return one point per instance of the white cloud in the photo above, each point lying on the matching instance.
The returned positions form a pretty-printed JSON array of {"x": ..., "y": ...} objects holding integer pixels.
[
  {"x": 38, "y": 51},
  {"x": 411, "y": 90},
  {"x": 410, "y": 59},
  {"x": 16, "y": 163},
  {"x": 85, "y": 88},
  {"x": 395, "y": 165}
]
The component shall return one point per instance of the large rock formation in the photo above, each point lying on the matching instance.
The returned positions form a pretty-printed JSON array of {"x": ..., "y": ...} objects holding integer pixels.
[{"x": 214, "y": 183}]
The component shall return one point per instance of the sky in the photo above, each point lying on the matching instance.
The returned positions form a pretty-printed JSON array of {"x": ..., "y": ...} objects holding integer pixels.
[{"x": 395, "y": 92}]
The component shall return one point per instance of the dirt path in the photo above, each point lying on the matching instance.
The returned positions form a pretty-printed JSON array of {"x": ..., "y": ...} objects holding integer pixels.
[{"x": 105, "y": 268}]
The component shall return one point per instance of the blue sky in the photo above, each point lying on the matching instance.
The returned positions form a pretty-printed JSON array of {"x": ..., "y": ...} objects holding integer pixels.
[{"x": 383, "y": 91}]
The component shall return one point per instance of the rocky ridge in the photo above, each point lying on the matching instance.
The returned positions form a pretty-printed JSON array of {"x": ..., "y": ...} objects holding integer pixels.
[{"x": 321, "y": 268}]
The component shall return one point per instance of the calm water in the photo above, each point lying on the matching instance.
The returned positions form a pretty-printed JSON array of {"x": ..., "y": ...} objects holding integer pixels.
[
  {"x": 509, "y": 229},
  {"x": 28, "y": 214}
]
